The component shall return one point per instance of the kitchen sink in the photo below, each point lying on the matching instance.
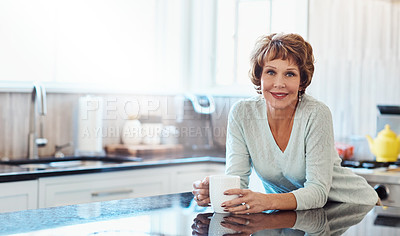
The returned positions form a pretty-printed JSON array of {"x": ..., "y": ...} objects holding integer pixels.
[{"x": 69, "y": 162}]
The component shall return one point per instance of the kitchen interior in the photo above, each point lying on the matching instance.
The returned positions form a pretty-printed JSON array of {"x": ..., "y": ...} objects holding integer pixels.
[{"x": 110, "y": 105}]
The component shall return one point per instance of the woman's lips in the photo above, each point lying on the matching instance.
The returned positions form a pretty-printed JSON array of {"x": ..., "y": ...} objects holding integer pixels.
[{"x": 279, "y": 95}]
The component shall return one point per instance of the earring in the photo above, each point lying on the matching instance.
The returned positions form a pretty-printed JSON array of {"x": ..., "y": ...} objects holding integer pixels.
[{"x": 300, "y": 95}]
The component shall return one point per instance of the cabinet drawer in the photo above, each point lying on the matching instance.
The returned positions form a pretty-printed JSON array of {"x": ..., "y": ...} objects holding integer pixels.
[{"x": 70, "y": 190}]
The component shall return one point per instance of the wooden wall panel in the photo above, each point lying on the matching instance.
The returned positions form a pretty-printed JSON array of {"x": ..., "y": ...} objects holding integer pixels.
[{"x": 60, "y": 121}]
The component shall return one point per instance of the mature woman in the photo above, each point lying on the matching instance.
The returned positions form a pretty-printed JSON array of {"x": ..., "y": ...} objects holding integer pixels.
[{"x": 287, "y": 136}]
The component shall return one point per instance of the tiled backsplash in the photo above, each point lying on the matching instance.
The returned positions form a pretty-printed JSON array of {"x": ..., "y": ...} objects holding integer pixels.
[{"x": 60, "y": 121}]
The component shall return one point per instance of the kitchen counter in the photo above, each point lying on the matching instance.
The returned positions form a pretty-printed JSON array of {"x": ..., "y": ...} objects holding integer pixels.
[
  {"x": 177, "y": 214},
  {"x": 14, "y": 173}
]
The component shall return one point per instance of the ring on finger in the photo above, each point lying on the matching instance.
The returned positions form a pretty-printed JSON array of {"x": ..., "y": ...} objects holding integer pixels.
[{"x": 247, "y": 206}]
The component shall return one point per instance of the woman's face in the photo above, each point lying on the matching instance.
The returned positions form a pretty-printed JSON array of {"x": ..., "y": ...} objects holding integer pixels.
[{"x": 280, "y": 82}]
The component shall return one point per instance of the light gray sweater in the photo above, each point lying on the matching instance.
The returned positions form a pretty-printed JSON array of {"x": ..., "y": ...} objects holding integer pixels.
[{"x": 309, "y": 167}]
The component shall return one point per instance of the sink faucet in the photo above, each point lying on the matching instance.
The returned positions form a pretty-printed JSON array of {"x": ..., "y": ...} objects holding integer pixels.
[{"x": 38, "y": 104}]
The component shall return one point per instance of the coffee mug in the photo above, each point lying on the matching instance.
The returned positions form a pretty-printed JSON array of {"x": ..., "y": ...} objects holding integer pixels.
[{"x": 218, "y": 185}]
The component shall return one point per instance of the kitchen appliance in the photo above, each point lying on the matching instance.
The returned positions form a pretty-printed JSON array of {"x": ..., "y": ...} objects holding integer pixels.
[
  {"x": 194, "y": 121},
  {"x": 388, "y": 115},
  {"x": 384, "y": 177}
]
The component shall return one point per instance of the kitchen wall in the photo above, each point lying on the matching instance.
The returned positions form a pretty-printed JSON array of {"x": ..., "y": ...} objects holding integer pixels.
[
  {"x": 357, "y": 50},
  {"x": 60, "y": 121}
]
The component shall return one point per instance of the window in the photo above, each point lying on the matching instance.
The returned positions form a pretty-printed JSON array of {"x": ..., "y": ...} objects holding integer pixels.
[
  {"x": 240, "y": 23},
  {"x": 101, "y": 43},
  {"x": 139, "y": 45}
]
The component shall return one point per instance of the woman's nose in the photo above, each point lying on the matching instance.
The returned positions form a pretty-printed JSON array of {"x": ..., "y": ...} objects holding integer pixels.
[{"x": 279, "y": 82}]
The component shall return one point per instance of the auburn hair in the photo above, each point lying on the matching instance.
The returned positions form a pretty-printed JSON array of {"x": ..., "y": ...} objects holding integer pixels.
[{"x": 290, "y": 47}]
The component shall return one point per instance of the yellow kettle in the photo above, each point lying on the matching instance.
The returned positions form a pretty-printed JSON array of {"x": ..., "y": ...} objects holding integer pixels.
[{"x": 386, "y": 146}]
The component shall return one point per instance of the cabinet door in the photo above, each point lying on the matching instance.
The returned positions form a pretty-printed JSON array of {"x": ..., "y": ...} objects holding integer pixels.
[
  {"x": 187, "y": 174},
  {"x": 85, "y": 188},
  {"x": 18, "y": 196}
]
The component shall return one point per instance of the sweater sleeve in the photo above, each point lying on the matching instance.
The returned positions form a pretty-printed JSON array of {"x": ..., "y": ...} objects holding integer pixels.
[
  {"x": 237, "y": 155},
  {"x": 319, "y": 158}
]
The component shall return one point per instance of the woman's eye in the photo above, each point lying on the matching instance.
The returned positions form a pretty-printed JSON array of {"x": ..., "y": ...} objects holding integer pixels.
[
  {"x": 290, "y": 74},
  {"x": 270, "y": 72}
]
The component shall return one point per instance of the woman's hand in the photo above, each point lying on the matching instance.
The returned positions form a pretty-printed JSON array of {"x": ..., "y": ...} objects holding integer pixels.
[
  {"x": 247, "y": 202},
  {"x": 253, "y": 202},
  {"x": 201, "y": 192}
]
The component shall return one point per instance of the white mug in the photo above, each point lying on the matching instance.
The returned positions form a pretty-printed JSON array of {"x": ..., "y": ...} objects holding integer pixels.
[{"x": 218, "y": 185}]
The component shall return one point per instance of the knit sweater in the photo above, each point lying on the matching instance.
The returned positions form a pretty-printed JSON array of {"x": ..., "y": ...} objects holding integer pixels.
[{"x": 309, "y": 167}]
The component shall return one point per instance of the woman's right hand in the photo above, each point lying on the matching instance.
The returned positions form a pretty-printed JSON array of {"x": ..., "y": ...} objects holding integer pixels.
[{"x": 201, "y": 192}]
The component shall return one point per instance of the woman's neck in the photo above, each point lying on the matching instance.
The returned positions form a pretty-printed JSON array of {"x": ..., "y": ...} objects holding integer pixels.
[
  {"x": 281, "y": 123},
  {"x": 281, "y": 115}
]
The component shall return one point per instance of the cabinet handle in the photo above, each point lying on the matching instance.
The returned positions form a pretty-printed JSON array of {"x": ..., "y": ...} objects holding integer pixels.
[{"x": 109, "y": 193}]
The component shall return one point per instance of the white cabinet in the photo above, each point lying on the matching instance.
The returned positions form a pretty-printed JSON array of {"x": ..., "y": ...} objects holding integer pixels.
[
  {"x": 18, "y": 196},
  {"x": 185, "y": 175},
  {"x": 104, "y": 186},
  {"x": 84, "y": 188}
]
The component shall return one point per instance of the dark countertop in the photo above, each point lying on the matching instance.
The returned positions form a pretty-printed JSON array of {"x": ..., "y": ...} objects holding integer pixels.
[
  {"x": 177, "y": 214},
  {"x": 10, "y": 173}
]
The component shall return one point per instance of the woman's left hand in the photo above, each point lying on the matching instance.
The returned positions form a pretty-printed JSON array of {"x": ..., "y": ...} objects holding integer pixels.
[{"x": 247, "y": 202}]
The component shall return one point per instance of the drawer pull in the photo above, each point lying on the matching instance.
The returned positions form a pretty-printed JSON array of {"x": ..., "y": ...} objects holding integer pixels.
[{"x": 110, "y": 193}]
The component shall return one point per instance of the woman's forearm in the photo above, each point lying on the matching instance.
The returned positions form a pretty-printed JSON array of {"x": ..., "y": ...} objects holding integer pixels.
[{"x": 281, "y": 201}]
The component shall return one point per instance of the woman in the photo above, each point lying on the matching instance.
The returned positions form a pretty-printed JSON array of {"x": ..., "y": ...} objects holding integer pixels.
[{"x": 287, "y": 136}]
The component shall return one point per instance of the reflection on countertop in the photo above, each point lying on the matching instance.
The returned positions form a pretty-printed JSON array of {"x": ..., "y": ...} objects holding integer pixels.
[
  {"x": 17, "y": 173},
  {"x": 177, "y": 214},
  {"x": 333, "y": 219}
]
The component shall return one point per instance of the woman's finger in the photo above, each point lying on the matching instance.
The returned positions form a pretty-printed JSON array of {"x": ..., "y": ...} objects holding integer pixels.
[
  {"x": 197, "y": 184},
  {"x": 203, "y": 202},
  {"x": 201, "y": 183},
  {"x": 236, "y": 202},
  {"x": 204, "y": 192},
  {"x": 237, "y": 191},
  {"x": 206, "y": 181},
  {"x": 201, "y": 198},
  {"x": 242, "y": 199},
  {"x": 236, "y": 209}
]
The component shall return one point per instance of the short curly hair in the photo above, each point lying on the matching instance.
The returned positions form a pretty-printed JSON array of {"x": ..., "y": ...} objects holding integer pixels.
[{"x": 282, "y": 46}]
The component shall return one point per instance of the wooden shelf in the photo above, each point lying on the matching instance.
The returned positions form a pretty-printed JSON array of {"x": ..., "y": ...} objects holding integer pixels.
[{"x": 138, "y": 150}]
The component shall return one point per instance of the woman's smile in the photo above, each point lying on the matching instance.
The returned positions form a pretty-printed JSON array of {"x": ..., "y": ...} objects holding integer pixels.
[
  {"x": 280, "y": 84},
  {"x": 278, "y": 95}
]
